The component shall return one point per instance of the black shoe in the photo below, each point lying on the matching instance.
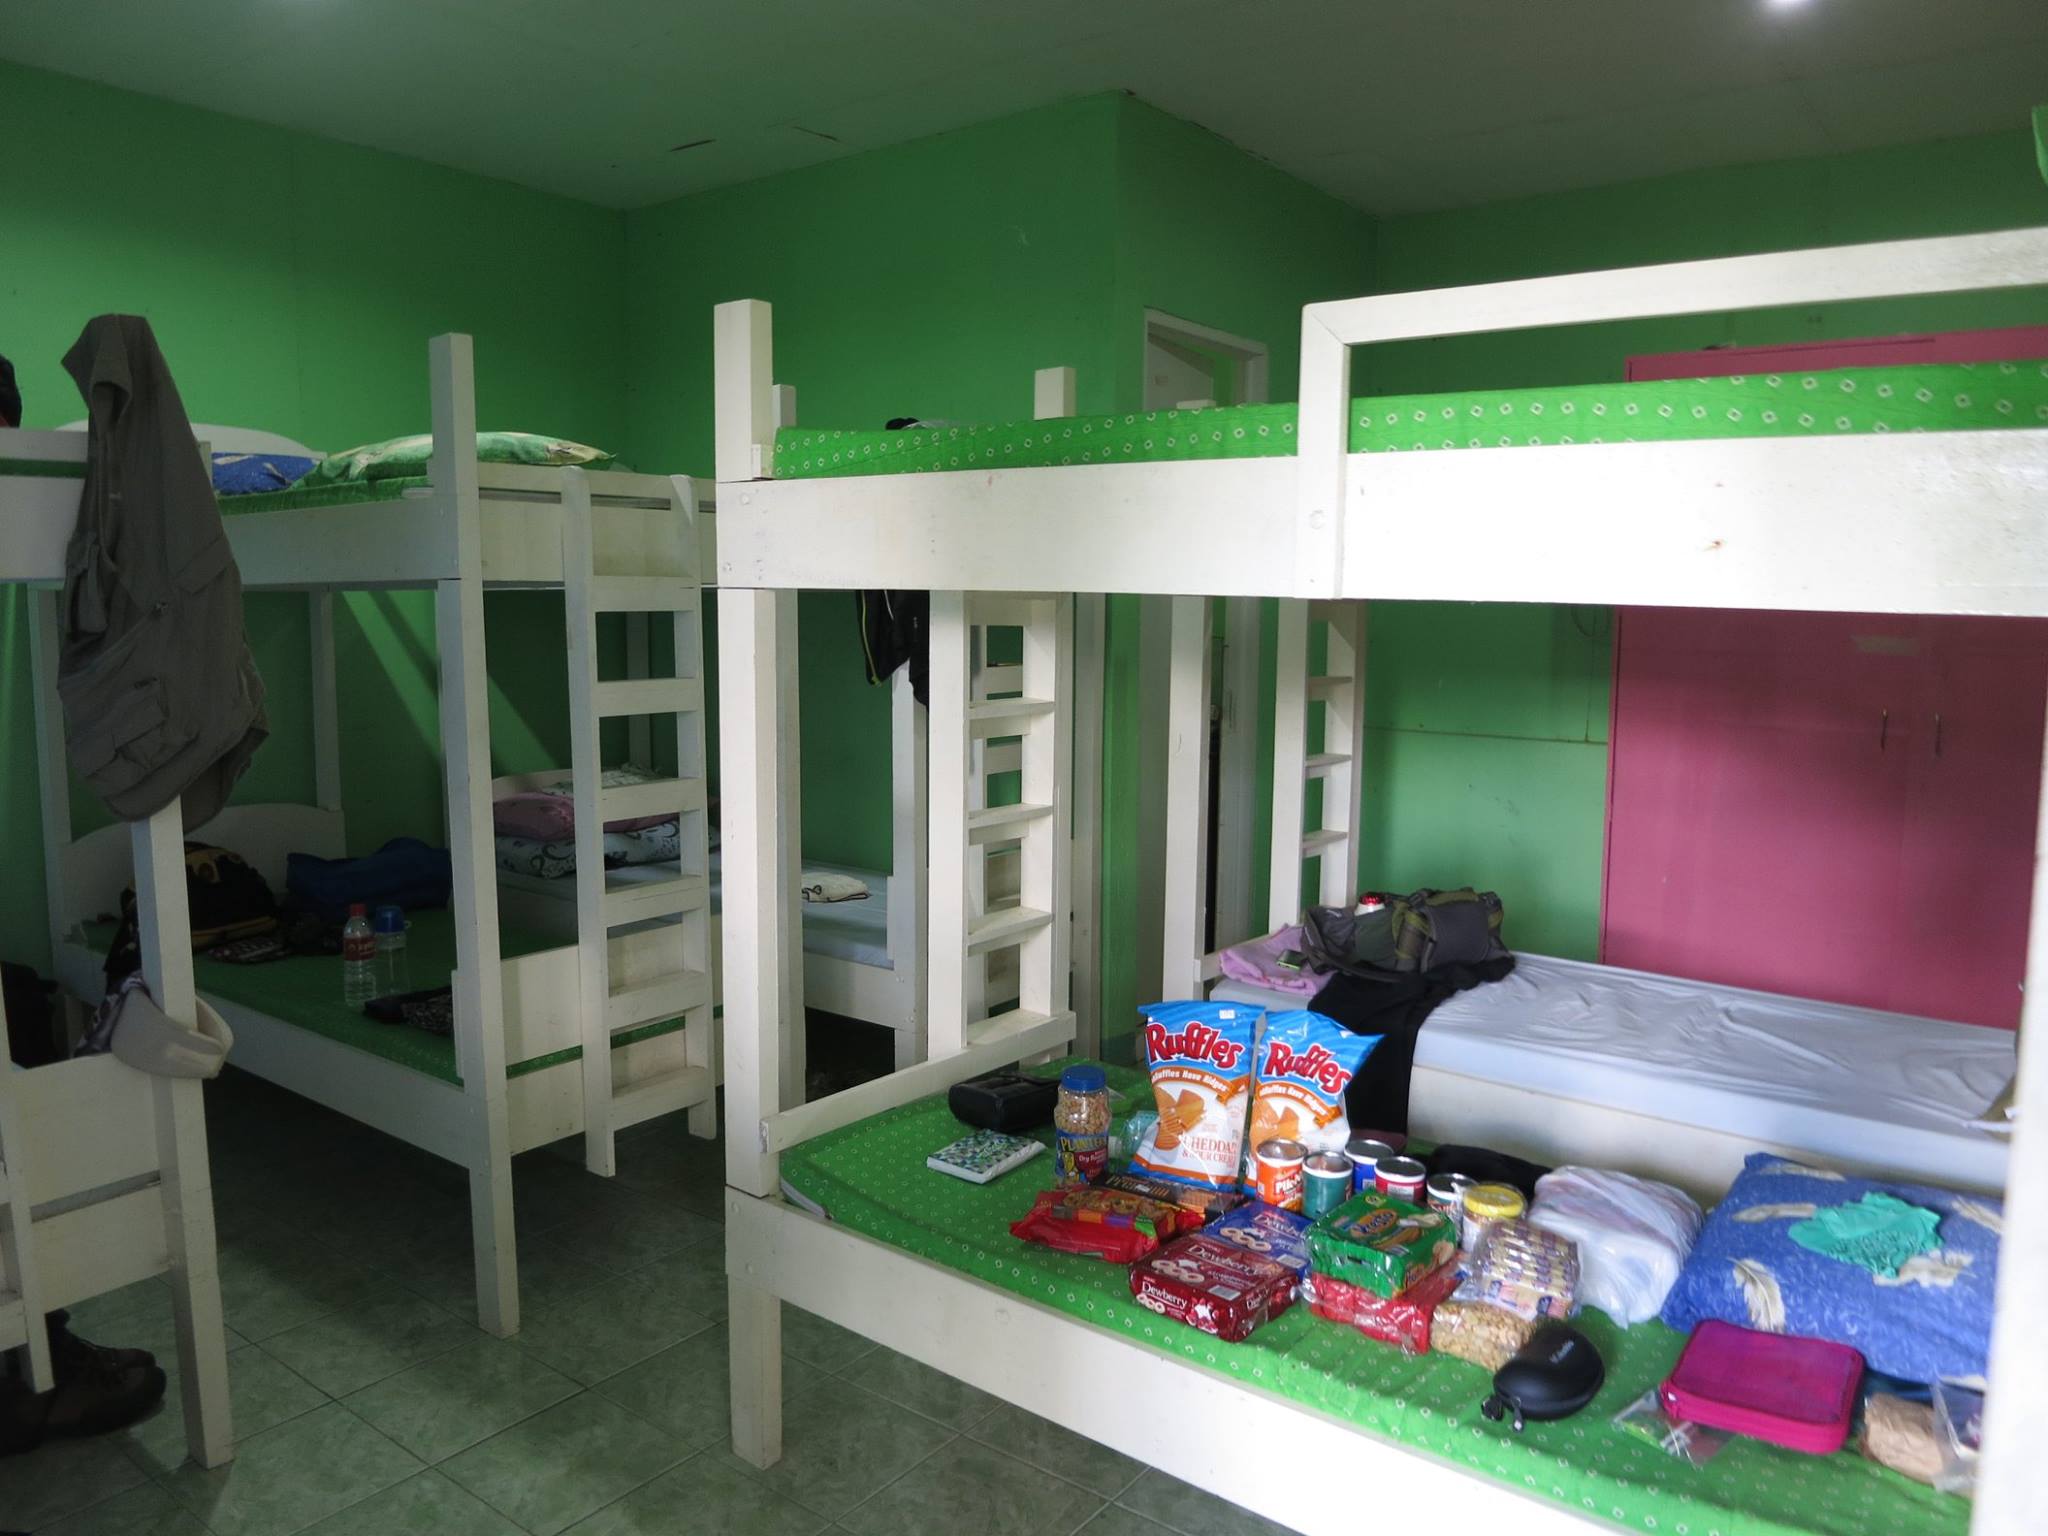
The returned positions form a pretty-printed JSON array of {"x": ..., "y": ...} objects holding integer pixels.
[
  {"x": 72, "y": 1357},
  {"x": 22, "y": 1415}
]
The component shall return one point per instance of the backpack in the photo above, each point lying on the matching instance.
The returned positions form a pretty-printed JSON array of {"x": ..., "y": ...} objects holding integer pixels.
[
  {"x": 228, "y": 899},
  {"x": 1417, "y": 932}
]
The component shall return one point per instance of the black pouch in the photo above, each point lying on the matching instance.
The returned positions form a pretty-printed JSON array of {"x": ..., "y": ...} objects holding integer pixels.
[
  {"x": 1004, "y": 1101},
  {"x": 1552, "y": 1376}
]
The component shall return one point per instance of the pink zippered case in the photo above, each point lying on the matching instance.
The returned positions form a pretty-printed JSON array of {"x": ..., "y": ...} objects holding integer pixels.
[{"x": 1795, "y": 1392}]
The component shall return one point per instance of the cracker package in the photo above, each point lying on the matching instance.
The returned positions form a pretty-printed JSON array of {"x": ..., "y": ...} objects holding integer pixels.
[
  {"x": 1202, "y": 1204},
  {"x": 1212, "y": 1285},
  {"x": 1381, "y": 1243},
  {"x": 1403, "y": 1321},
  {"x": 1267, "y": 1231},
  {"x": 1304, "y": 1062},
  {"x": 1201, "y": 1060},
  {"x": 1100, "y": 1223}
]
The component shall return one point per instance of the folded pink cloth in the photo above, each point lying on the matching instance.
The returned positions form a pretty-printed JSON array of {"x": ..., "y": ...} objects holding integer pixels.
[
  {"x": 549, "y": 816},
  {"x": 1256, "y": 962}
]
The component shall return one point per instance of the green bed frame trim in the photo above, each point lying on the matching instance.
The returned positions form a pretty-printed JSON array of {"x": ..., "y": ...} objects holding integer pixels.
[
  {"x": 346, "y": 493},
  {"x": 1925, "y": 397},
  {"x": 306, "y": 992},
  {"x": 871, "y": 1178},
  {"x": 52, "y": 469}
]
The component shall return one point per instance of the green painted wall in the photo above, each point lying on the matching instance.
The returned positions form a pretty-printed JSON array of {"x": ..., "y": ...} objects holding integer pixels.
[
  {"x": 1488, "y": 725},
  {"x": 292, "y": 284},
  {"x": 928, "y": 279}
]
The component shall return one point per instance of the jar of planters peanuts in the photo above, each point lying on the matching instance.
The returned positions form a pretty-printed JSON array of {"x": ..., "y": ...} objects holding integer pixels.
[{"x": 1081, "y": 1122}]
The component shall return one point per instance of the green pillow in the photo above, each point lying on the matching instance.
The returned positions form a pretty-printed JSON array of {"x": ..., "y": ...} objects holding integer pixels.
[{"x": 400, "y": 457}]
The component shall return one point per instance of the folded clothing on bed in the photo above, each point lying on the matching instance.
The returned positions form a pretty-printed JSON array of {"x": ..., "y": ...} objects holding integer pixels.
[
  {"x": 556, "y": 858},
  {"x": 548, "y": 814},
  {"x": 249, "y": 474},
  {"x": 830, "y": 885}
]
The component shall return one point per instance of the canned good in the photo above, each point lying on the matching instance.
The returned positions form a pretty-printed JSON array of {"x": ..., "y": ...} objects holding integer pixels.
[
  {"x": 1401, "y": 1177},
  {"x": 1364, "y": 1154},
  {"x": 1486, "y": 1204},
  {"x": 1446, "y": 1192},
  {"x": 1277, "y": 1171},
  {"x": 1327, "y": 1183}
]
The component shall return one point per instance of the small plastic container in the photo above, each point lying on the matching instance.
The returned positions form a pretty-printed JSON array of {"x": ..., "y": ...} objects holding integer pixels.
[
  {"x": 1486, "y": 1204},
  {"x": 393, "y": 974},
  {"x": 1081, "y": 1124}
]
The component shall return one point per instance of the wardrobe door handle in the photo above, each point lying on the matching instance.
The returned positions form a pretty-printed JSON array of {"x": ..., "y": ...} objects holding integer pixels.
[
  {"x": 1937, "y": 733},
  {"x": 1884, "y": 728}
]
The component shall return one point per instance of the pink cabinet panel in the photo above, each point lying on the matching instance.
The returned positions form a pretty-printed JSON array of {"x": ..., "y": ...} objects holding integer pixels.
[{"x": 1829, "y": 805}]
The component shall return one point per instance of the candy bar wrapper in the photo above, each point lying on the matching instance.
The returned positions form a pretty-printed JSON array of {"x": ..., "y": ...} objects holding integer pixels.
[
  {"x": 1529, "y": 1271},
  {"x": 1202, "y": 1204},
  {"x": 1212, "y": 1285},
  {"x": 1403, "y": 1321},
  {"x": 1379, "y": 1243},
  {"x": 1100, "y": 1223}
]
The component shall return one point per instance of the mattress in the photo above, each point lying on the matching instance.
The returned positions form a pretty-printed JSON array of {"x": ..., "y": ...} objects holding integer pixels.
[
  {"x": 306, "y": 991},
  {"x": 854, "y": 931},
  {"x": 350, "y": 493},
  {"x": 1924, "y": 397},
  {"x": 870, "y": 1177},
  {"x": 1852, "y": 1084}
]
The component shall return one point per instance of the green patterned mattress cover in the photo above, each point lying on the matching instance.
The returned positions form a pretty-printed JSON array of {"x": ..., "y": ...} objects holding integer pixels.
[
  {"x": 341, "y": 493},
  {"x": 1923, "y": 397},
  {"x": 306, "y": 991},
  {"x": 870, "y": 1177}
]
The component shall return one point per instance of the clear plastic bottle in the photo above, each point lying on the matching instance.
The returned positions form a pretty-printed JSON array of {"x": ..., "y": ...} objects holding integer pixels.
[
  {"x": 358, "y": 958},
  {"x": 1081, "y": 1119},
  {"x": 392, "y": 974}
]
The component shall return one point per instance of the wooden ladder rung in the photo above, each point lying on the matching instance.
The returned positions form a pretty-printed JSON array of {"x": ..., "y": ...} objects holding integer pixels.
[
  {"x": 1004, "y": 717},
  {"x": 643, "y": 594},
  {"x": 1328, "y": 687},
  {"x": 1316, "y": 842},
  {"x": 657, "y": 1001},
  {"x": 648, "y": 696},
  {"x": 656, "y": 797},
  {"x": 661, "y": 1094},
  {"x": 1316, "y": 764},
  {"x": 642, "y": 901},
  {"x": 999, "y": 930},
  {"x": 1003, "y": 823}
]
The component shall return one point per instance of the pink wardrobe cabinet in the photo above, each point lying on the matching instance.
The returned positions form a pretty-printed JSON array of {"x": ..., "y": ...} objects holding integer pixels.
[{"x": 1837, "y": 806}]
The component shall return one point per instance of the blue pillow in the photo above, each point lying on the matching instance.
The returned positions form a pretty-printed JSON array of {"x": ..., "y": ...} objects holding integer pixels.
[
  {"x": 244, "y": 474},
  {"x": 1932, "y": 1320}
]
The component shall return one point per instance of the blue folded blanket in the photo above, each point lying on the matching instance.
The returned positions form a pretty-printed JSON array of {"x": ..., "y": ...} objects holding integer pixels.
[{"x": 405, "y": 872}]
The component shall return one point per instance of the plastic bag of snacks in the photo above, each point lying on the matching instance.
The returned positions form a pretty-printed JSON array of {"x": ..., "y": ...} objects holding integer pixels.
[
  {"x": 1201, "y": 1060},
  {"x": 1100, "y": 1223},
  {"x": 1648, "y": 1419},
  {"x": 1402, "y": 1320},
  {"x": 1380, "y": 1243},
  {"x": 1212, "y": 1285},
  {"x": 1304, "y": 1062},
  {"x": 1633, "y": 1236},
  {"x": 1524, "y": 1269},
  {"x": 1476, "y": 1331},
  {"x": 1268, "y": 1232}
]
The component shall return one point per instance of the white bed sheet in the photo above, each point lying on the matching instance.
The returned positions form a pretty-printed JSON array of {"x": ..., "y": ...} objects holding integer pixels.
[{"x": 1843, "y": 1082}]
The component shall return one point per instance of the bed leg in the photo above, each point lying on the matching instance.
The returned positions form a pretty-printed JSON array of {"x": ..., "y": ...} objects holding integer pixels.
[
  {"x": 194, "y": 1271},
  {"x": 754, "y": 1332},
  {"x": 701, "y": 1046},
  {"x": 490, "y": 1226}
]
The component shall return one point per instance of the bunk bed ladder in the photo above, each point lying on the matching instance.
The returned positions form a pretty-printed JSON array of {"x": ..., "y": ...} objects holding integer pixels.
[
  {"x": 1329, "y": 776},
  {"x": 21, "y": 1305},
  {"x": 973, "y": 710},
  {"x": 644, "y": 933}
]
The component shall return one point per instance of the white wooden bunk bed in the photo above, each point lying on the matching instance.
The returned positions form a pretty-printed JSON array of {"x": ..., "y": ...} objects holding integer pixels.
[
  {"x": 104, "y": 1178},
  {"x": 1950, "y": 522},
  {"x": 590, "y": 1035}
]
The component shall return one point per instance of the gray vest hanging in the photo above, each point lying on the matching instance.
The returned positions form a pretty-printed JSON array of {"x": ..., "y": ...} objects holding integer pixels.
[{"x": 161, "y": 696}]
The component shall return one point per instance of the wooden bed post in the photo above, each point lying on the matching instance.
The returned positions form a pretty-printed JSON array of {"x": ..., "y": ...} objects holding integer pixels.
[
  {"x": 909, "y": 808},
  {"x": 466, "y": 758},
  {"x": 53, "y": 770},
  {"x": 1290, "y": 762},
  {"x": 326, "y": 703},
  {"x": 2012, "y": 1491},
  {"x": 947, "y": 962},
  {"x": 164, "y": 927},
  {"x": 1341, "y": 763},
  {"x": 1185, "y": 876}
]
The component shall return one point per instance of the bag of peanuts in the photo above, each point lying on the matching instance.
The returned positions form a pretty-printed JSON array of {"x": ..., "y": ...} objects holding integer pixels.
[
  {"x": 1200, "y": 1055},
  {"x": 1304, "y": 1063}
]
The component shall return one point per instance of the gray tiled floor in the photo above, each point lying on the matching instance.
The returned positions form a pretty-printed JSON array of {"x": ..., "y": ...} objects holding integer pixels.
[{"x": 366, "y": 1401}]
